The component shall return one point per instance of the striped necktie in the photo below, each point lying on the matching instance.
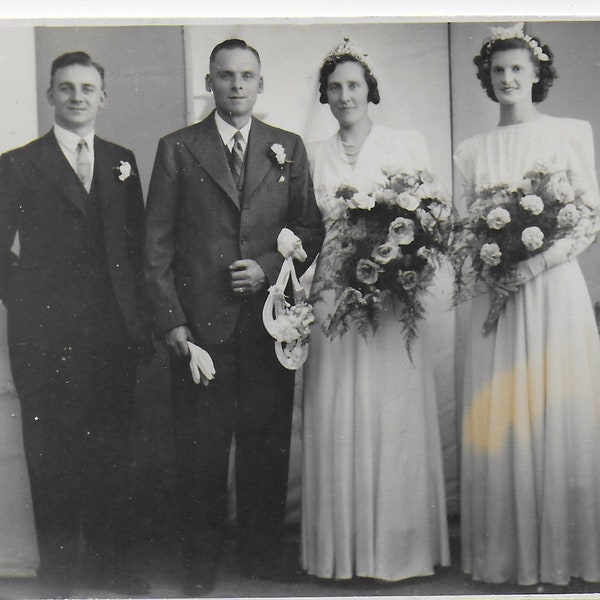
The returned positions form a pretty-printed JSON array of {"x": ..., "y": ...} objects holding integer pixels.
[
  {"x": 237, "y": 157},
  {"x": 84, "y": 165}
]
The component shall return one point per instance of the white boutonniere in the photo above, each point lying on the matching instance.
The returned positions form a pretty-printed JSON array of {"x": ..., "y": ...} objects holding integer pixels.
[
  {"x": 278, "y": 157},
  {"x": 124, "y": 170},
  {"x": 277, "y": 154}
]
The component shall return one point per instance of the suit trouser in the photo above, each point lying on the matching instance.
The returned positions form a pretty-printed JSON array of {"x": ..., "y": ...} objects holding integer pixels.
[
  {"x": 251, "y": 397},
  {"x": 76, "y": 404}
]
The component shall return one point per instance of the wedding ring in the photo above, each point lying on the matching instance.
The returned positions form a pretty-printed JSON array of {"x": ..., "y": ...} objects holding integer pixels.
[{"x": 239, "y": 290}]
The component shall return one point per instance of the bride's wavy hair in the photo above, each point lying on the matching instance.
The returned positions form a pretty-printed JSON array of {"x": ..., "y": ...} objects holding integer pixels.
[
  {"x": 546, "y": 72},
  {"x": 328, "y": 68}
]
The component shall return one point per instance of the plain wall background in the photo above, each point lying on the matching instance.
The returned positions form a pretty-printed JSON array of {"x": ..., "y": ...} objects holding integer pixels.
[
  {"x": 145, "y": 82},
  {"x": 410, "y": 62},
  {"x": 575, "y": 93}
]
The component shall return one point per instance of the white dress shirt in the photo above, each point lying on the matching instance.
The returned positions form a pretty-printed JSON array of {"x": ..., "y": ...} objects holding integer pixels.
[
  {"x": 227, "y": 131},
  {"x": 67, "y": 140}
]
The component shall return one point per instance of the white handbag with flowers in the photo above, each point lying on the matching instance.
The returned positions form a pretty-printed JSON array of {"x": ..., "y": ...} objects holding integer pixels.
[{"x": 289, "y": 324}]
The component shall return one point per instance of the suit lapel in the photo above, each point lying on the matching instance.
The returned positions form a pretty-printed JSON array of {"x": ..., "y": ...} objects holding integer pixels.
[
  {"x": 258, "y": 162},
  {"x": 208, "y": 150},
  {"x": 52, "y": 162},
  {"x": 104, "y": 180}
]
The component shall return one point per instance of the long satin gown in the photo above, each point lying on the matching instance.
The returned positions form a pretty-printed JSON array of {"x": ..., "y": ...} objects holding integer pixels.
[
  {"x": 531, "y": 409},
  {"x": 373, "y": 500}
]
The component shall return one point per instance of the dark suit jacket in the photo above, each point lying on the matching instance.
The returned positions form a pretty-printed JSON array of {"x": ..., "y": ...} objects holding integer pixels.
[
  {"x": 42, "y": 199},
  {"x": 198, "y": 223}
]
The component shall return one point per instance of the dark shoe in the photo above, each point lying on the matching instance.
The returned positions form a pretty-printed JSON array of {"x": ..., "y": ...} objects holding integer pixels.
[{"x": 198, "y": 586}]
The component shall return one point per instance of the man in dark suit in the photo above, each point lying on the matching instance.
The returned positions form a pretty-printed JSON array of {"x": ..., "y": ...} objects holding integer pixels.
[
  {"x": 220, "y": 193},
  {"x": 75, "y": 305}
]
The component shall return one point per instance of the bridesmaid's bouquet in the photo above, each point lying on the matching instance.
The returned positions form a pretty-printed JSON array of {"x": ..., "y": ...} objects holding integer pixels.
[
  {"x": 386, "y": 250},
  {"x": 507, "y": 224}
]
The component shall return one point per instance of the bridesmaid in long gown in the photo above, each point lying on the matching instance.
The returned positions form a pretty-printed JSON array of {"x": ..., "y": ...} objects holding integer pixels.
[
  {"x": 531, "y": 415},
  {"x": 373, "y": 485}
]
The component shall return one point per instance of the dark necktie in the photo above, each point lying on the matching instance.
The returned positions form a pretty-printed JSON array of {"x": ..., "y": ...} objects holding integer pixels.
[
  {"x": 237, "y": 157},
  {"x": 84, "y": 165}
]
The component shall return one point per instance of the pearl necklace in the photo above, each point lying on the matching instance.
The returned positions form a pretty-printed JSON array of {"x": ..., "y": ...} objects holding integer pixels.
[{"x": 350, "y": 152}]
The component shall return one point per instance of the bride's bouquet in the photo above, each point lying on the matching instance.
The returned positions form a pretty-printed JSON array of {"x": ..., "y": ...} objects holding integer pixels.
[
  {"x": 385, "y": 251},
  {"x": 507, "y": 224}
]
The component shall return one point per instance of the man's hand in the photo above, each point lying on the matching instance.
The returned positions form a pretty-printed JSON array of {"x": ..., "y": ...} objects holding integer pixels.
[
  {"x": 247, "y": 278},
  {"x": 176, "y": 340}
]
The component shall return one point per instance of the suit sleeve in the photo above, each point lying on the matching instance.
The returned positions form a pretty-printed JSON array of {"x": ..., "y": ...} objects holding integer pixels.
[
  {"x": 304, "y": 217},
  {"x": 135, "y": 241},
  {"x": 10, "y": 200},
  {"x": 160, "y": 240}
]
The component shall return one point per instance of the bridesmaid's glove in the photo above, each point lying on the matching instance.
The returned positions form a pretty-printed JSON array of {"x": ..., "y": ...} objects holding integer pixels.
[{"x": 559, "y": 252}]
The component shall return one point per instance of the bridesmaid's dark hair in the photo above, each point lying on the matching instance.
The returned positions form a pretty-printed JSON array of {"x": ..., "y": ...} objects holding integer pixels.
[
  {"x": 328, "y": 67},
  {"x": 546, "y": 72}
]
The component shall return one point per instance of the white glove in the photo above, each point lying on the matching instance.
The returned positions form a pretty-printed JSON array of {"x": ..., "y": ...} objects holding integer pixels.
[
  {"x": 289, "y": 244},
  {"x": 557, "y": 253},
  {"x": 201, "y": 364}
]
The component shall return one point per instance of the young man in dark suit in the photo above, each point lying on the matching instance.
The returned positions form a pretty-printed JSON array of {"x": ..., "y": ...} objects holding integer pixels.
[
  {"x": 220, "y": 193},
  {"x": 75, "y": 304}
]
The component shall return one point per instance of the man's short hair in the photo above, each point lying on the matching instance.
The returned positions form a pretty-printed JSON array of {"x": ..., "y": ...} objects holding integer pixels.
[
  {"x": 231, "y": 45},
  {"x": 75, "y": 58}
]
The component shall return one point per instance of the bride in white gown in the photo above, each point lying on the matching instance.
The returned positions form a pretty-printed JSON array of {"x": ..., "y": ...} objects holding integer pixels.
[{"x": 373, "y": 501}]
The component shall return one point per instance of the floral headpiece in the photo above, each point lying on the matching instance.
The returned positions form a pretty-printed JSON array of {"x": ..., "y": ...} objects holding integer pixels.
[
  {"x": 345, "y": 48},
  {"x": 516, "y": 31}
]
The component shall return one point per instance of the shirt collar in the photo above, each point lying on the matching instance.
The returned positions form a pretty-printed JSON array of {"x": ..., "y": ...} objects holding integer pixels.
[
  {"x": 227, "y": 131},
  {"x": 70, "y": 140}
]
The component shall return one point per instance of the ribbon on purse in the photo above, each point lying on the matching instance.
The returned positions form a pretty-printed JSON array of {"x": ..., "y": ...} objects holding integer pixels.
[{"x": 287, "y": 324}]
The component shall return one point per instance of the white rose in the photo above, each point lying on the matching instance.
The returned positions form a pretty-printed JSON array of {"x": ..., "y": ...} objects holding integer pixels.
[
  {"x": 402, "y": 231},
  {"x": 533, "y": 238},
  {"x": 440, "y": 211},
  {"x": 497, "y": 218},
  {"x": 385, "y": 253},
  {"x": 490, "y": 254},
  {"x": 408, "y": 201},
  {"x": 568, "y": 216},
  {"x": 427, "y": 220},
  {"x": 384, "y": 196},
  {"x": 362, "y": 201},
  {"x": 560, "y": 187},
  {"x": 532, "y": 203},
  {"x": 427, "y": 190}
]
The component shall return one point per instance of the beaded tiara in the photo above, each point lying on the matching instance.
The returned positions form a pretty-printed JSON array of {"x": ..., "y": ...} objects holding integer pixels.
[
  {"x": 516, "y": 31},
  {"x": 345, "y": 48}
]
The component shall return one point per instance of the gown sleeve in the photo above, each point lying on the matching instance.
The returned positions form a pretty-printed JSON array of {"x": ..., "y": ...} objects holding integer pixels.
[
  {"x": 419, "y": 150},
  {"x": 581, "y": 165}
]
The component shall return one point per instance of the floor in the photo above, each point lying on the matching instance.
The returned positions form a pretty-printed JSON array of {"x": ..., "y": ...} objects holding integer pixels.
[{"x": 159, "y": 564}]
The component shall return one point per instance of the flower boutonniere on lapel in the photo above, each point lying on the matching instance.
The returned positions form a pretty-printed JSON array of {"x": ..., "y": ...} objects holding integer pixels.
[
  {"x": 278, "y": 157},
  {"x": 124, "y": 170}
]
